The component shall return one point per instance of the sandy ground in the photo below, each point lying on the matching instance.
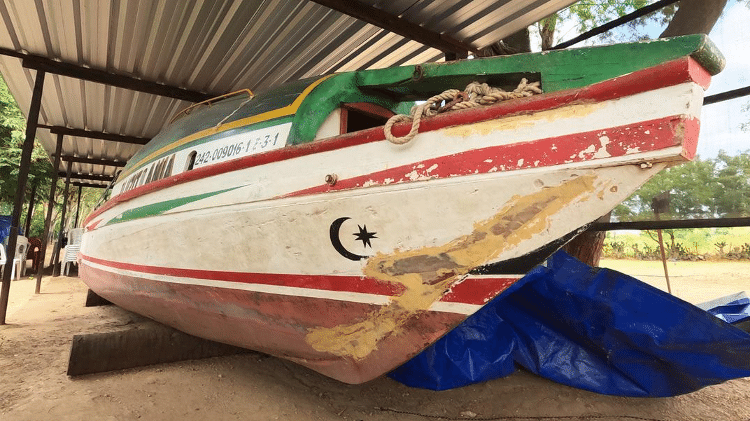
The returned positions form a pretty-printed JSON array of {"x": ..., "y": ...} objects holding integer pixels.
[{"x": 35, "y": 346}]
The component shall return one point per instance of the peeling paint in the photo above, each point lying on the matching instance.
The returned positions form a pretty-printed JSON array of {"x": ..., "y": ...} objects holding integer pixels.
[
  {"x": 633, "y": 150},
  {"x": 427, "y": 273}
]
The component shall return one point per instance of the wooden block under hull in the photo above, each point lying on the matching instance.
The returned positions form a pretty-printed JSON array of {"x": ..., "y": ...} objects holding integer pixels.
[{"x": 151, "y": 344}]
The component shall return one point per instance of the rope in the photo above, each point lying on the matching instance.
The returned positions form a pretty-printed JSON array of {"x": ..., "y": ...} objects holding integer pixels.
[{"x": 476, "y": 94}]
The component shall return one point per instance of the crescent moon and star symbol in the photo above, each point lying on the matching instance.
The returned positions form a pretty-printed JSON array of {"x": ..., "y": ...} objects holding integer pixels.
[{"x": 363, "y": 235}]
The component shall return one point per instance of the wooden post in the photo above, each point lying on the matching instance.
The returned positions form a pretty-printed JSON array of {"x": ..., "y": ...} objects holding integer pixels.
[
  {"x": 23, "y": 176},
  {"x": 30, "y": 210},
  {"x": 58, "y": 245},
  {"x": 48, "y": 219},
  {"x": 663, "y": 256},
  {"x": 660, "y": 204}
]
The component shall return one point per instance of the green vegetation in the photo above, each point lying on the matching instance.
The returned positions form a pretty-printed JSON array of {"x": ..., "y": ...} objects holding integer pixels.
[
  {"x": 685, "y": 244},
  {"x": 710, "y": 188},
  {"x": 12, "y": 137}
]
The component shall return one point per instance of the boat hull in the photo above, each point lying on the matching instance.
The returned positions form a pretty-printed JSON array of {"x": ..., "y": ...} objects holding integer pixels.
[{"x": 353, "y": 277}]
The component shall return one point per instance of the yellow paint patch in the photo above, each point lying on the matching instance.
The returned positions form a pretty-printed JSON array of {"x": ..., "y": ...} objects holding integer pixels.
[
  {"x": 426, "y": 274},
  {"x": 518, "y": 121}
]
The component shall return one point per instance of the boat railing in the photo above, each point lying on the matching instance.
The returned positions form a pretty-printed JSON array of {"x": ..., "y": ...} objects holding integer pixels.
[{"x": 208, "y": 102}]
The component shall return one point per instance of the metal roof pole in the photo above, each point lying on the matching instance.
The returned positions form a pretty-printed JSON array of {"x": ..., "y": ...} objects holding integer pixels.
[
  {"x": 30, "y": 209},
  {"x": 23, "y": 176},
  {"x": 58, "y": 245},
  {"x": 78, "y": 206},
  {"x": 50, "y": 208}
]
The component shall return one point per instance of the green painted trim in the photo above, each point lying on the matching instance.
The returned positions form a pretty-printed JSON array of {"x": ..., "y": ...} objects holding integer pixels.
[
  {"x": 340, "y": 89},
  {"x": 159, "y": 208},
  {"x": 557, "y": 70},
  {"x": 709, "y": 56}
]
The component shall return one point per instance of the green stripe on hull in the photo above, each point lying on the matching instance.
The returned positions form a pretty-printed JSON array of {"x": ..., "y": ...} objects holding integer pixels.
[{"x": 161, "y": 207}]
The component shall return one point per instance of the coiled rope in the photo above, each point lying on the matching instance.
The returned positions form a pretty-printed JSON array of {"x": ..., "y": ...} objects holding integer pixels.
[{"x": 476, "y": 94}]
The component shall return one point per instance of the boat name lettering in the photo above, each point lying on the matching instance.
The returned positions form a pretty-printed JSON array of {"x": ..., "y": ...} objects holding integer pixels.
[
  {"x": 254, "y": 145},
  {"x": 156, "y": 171}
]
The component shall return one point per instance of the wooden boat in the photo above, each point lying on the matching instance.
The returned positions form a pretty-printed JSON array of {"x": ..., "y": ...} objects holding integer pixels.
[{"x": 285, "y": 223}]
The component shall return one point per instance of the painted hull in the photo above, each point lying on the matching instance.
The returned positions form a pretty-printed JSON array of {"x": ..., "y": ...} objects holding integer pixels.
[{"x": 353, "y": 278}]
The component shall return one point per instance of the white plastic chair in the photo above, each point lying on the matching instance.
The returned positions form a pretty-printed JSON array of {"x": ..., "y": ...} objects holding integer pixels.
[
  {"x": 22, "y": 248},
  {"x": 19, "y": 260},
  {"x": 3, "y": 258},
  {"x": 72, "y": 249}
]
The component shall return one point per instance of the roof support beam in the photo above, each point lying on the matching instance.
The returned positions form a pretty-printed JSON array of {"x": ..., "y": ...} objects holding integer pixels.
[
  {"x": 67, "y": 131},
  {"x": 671, "y": 224},
  {"x": 93, "y": 161},
  {"x": 398, "y": 26},
  {"x": 101, "y": 76},
  {"x": 92, "y": 177},
  {"x": 96, "y": 186}
]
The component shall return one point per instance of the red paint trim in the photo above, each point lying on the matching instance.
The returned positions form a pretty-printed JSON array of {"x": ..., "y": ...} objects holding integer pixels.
[
  {"x": 691, "y": 130},
  {"x": 663, "y": 75},
  {"x": 573, "y": 148},
  {"x": 470, "y": 291}
]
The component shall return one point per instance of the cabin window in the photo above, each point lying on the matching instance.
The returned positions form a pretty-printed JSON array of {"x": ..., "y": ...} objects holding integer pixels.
[
  {"x": 190, "y": 161},
  {"x": 353, "y": 117},
  {"x": 362, "y": 115}
]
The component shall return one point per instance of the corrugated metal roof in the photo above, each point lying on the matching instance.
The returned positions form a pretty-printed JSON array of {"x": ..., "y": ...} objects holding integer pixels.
[{"x": 216, "y": 47}]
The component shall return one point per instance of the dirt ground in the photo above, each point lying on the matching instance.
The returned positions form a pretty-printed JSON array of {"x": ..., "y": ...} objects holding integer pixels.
[{"x": 35, "y": 346}]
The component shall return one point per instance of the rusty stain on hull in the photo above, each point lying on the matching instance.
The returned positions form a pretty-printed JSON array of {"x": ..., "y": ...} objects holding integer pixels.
[{"x": 427, "y": 273}]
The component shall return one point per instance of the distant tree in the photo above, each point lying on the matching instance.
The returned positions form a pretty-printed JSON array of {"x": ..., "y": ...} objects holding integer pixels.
[
  {"x": 710, "y": 188},
  {"x": 685, "y": 17},
  {"x": 733, "y": 178},
  {"x": 12, "y": 136}
]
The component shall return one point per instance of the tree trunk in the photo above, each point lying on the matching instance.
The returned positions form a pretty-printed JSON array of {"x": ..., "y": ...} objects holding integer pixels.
[
  {"x": 520, "y": 42},
  {"x": 547, "y": 31},
  {"x": 694, "y": 17},
  {"x": 587, "y": 246}
]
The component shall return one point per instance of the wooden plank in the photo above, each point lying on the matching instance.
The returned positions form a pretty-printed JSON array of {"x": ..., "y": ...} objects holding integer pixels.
[{"x": 154, "y": 344}]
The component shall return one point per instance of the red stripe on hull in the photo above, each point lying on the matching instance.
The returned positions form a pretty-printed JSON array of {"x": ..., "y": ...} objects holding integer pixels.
[
  {"x": 666, "y": 74},
  {"x": 476, "y": 291},
  {"x": 274, "y": 324},
  {"x": 481, "y": 290},
  {"x": 645, "y": 136}
]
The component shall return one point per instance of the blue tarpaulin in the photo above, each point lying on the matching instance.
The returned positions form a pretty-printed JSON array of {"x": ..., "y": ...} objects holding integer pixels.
[
  {"x": 733, "y": 308},
  {"x": 5, "y": 221},
  {"x": 590, "y": 328}
]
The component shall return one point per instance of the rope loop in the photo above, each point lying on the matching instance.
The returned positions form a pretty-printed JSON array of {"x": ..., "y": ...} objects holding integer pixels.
[{"x": 476, "y": 94}]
